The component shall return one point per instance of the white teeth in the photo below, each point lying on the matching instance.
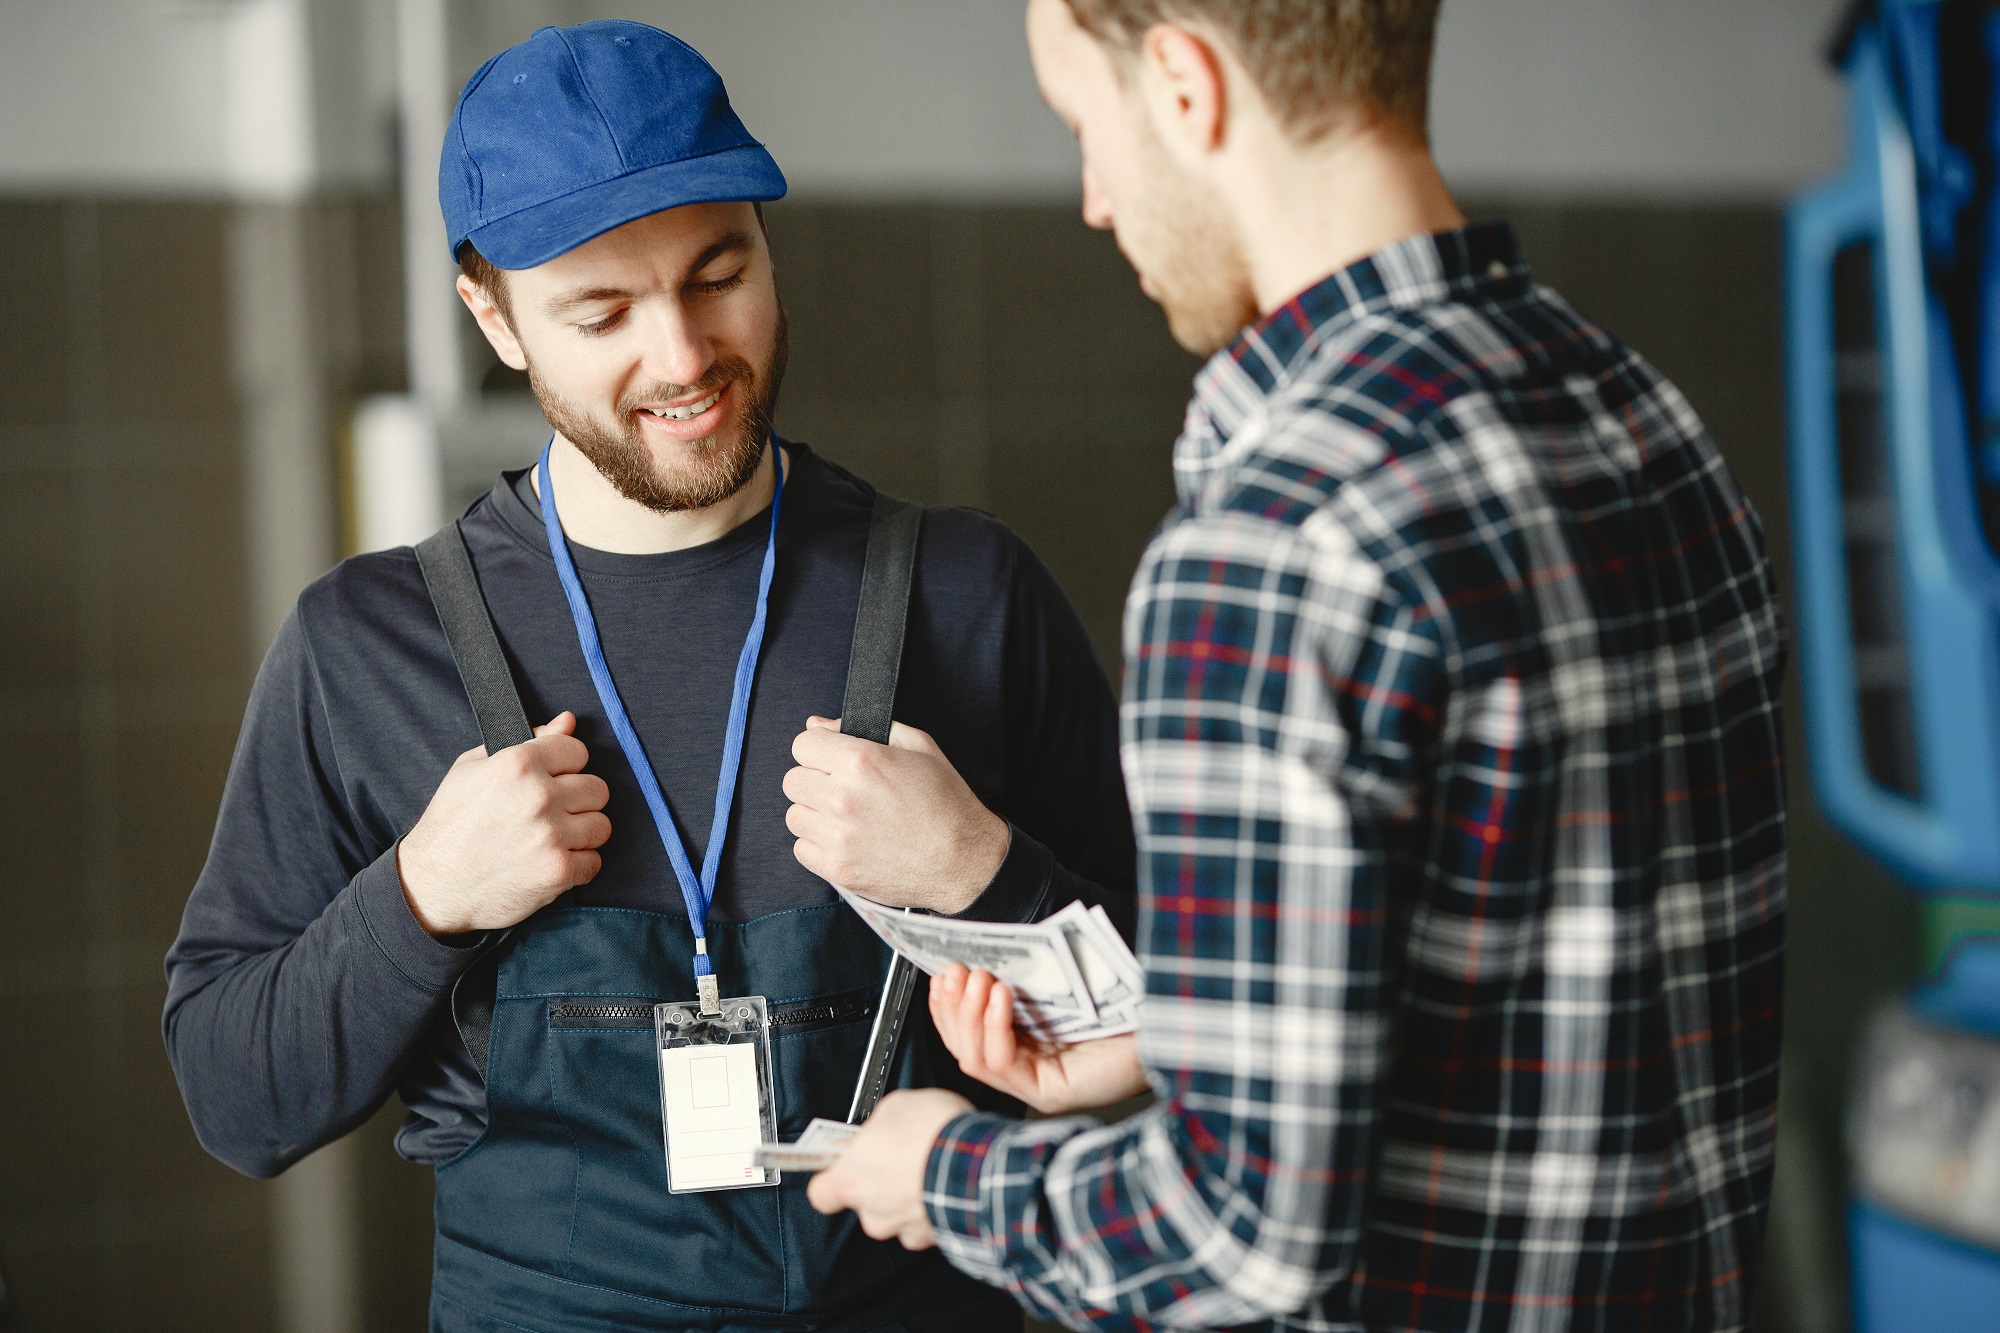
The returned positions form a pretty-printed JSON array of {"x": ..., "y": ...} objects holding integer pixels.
[{"x": 686, "y": 413}]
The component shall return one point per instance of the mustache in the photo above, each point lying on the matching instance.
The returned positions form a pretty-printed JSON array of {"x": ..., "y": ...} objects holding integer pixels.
[{"x": 722, "y": 372}]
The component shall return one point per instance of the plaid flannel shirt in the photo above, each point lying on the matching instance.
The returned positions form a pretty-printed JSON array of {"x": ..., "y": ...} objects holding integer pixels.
[{"x": 1452, "y": 738}]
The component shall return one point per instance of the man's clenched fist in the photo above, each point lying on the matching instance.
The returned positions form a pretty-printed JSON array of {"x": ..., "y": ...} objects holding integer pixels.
[
  {"x": 893, "y": 822},
  {"x": 506, "y": 834}
]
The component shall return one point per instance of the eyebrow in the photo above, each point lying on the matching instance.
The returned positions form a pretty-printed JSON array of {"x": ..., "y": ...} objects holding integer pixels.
[{"x": 564, "y": 302}]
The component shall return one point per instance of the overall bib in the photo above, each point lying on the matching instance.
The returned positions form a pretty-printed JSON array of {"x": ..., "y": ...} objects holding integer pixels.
[{"x": 559, "y": 1216}]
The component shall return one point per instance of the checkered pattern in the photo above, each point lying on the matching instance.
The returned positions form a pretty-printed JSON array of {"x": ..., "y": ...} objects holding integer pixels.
[{"x": 1452, "y": 738}]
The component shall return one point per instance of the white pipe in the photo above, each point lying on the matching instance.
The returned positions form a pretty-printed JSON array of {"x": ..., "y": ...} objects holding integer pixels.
[{"x": 431, "y": 318}]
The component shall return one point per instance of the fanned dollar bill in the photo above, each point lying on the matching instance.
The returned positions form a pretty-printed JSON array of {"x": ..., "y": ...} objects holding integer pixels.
[{"x": 1072, "y": 975}]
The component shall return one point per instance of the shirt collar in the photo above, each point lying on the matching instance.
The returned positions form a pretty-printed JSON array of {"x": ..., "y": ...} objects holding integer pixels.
[{"x": 1472, "y": 264}]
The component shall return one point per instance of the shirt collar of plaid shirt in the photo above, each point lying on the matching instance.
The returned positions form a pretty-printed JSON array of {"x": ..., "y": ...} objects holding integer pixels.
[{"x": 1476, "y": 263}]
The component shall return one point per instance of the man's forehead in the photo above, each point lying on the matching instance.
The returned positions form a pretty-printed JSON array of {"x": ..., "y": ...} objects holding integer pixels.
[
  {"x": 1063, "y": 53},
  {"x": 666, "y": 243}
]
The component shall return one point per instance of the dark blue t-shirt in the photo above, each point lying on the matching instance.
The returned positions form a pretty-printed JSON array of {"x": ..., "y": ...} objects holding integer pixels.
[{"x": 301, "y": 991}]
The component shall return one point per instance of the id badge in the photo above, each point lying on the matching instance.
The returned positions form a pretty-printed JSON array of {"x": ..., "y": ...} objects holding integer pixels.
[{"x": 717, "y": 1098}]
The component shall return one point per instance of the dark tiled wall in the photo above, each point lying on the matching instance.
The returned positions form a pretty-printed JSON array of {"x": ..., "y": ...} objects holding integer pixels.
[
  {"x": 996, "y": 356},
  {"x": 123, "y": 666},
  {"x": 999, "y": 357}
]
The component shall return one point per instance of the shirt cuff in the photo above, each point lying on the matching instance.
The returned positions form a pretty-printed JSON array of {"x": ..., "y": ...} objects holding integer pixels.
[
  {"x": 424, "y": 961},
  {"x": 1020, "y": 887},
  {"x": 952, "y": 1195}
]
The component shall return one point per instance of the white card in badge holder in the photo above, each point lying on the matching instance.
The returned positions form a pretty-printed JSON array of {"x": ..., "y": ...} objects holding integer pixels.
[{"x": 717, "y": 1103}]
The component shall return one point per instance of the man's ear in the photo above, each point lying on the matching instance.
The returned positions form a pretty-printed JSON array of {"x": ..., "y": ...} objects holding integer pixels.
[
  {"x": 492, "y": 323},
  {"x": 1184, "y": 85}
]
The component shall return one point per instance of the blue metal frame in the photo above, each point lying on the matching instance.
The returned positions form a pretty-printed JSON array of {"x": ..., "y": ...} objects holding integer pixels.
[{"x": 1948, "y": 837}]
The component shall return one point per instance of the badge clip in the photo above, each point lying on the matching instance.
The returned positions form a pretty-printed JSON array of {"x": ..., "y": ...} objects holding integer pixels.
[{"x": 710, "y": 994}]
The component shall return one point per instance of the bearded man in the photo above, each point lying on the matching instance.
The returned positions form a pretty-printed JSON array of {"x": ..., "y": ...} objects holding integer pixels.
[
  {"x": 499, "y": 934},
  {"x": 1452, "y": 732}
]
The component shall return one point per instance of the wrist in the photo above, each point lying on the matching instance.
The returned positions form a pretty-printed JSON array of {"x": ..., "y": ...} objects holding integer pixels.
[
  {"x": 979, "y": 857},
  {"x": 435, "y": 923}
]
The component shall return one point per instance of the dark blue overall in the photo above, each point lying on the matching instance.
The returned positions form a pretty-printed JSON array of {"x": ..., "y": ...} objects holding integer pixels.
[{"x": 559, "y": 1216}]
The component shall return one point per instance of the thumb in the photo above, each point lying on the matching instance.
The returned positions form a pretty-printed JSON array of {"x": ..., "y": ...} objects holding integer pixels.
[
  {"x": 562, "y": 724},
  {"x": 912, "y": 738},
  {"x": 818, "y": 723}
]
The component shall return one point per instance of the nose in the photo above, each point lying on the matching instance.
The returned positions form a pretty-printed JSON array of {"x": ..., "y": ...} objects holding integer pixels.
[
  {"x": 1096, "y": 203},
  {"x": 677, "y": 350}
]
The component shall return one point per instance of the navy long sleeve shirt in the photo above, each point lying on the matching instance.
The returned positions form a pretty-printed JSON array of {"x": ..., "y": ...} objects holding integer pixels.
[{"x": 301, "y": 990}]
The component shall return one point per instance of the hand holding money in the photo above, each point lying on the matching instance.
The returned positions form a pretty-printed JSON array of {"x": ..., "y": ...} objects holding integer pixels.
[
  {"x": 1070, "y": 978},
  {"x": 880, "y": 1171},
  {"x": 974, "y": 1014}
]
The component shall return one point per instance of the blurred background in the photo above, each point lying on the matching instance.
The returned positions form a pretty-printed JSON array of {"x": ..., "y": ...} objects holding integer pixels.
[{"x": 229, "y": 354}]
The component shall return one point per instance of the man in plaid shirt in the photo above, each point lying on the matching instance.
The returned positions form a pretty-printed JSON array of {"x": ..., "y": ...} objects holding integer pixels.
[{"x": 1452, "y": 737}]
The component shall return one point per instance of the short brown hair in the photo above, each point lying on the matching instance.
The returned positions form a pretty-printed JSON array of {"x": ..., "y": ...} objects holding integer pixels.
[
  {"x": 491, "y": 280},
  {"x": 1315, "y": 61}
]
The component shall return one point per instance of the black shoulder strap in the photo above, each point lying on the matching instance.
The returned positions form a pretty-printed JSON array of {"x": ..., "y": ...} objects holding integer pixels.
[
  {"x": 475, "y": 648},
  {"x": 872, "y": 667},
  {"x": 496, "y": 706},
  {"x": 877, "y": 655}
]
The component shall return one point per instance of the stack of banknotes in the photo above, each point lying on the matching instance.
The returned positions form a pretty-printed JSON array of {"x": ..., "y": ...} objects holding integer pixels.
[{"x": 1072, "y": 976}]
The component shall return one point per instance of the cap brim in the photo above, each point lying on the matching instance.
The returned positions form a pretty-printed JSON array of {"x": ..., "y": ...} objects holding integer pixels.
[{"x": 539, "y": 233}]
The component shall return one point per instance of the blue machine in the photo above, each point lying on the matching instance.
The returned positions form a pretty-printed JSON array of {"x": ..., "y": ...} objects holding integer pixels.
[{"x": 1893, "y": 307}]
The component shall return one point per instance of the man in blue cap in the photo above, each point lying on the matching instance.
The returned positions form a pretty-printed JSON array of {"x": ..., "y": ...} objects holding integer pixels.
[{"x": 486, "y": 930}]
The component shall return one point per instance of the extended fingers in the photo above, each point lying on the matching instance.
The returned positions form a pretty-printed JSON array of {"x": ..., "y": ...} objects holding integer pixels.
[
  {"x": 975, "y": 1043},
  {"x": 947, "y": 997},
  {"x": 998, "y": 1021}
]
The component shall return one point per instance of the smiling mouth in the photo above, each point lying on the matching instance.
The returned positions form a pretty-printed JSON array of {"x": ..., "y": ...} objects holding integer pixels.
[{"x": 684, "y": 413}]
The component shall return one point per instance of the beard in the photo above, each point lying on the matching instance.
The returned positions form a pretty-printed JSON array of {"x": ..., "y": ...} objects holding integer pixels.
[
  {"x": 706, "y": 472},
  {"x": 1181, "y": 240}
]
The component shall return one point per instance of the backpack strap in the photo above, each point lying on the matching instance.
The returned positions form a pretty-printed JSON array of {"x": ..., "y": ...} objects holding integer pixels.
[
  {"x": 873, "y": 665},
  {"x": 503, "y": 722}
]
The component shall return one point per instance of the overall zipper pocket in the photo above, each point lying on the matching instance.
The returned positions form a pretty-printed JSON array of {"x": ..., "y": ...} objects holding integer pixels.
[
  {"x": 592, "y": 1012},
  {"x": 794, "y": 1016}
]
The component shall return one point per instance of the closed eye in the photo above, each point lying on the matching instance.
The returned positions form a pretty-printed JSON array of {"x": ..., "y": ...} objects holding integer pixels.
[
  {"x": 717, "y": 286},
  {"x": 605, "y": 325}
]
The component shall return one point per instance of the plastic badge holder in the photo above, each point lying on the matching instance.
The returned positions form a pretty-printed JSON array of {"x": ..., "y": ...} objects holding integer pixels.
[{"x": 716, "y": 1093}]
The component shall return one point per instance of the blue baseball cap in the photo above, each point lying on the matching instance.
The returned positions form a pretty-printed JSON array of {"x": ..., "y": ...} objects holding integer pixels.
[{"x": 580, "y": 130}]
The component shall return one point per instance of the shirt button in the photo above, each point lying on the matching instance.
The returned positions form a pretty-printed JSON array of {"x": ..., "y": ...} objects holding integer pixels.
[{"x": 1496, "y": 269}]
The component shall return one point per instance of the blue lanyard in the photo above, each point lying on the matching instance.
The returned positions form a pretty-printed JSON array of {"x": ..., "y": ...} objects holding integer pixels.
[{"x": 697, "y": 893}]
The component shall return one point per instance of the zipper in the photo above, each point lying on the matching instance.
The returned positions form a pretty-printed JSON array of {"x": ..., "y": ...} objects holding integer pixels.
[
  {"x": 599, "y": 1014},
  {"x": 793, "y": 1016},
  {"x": 811, "y": 1015}
]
